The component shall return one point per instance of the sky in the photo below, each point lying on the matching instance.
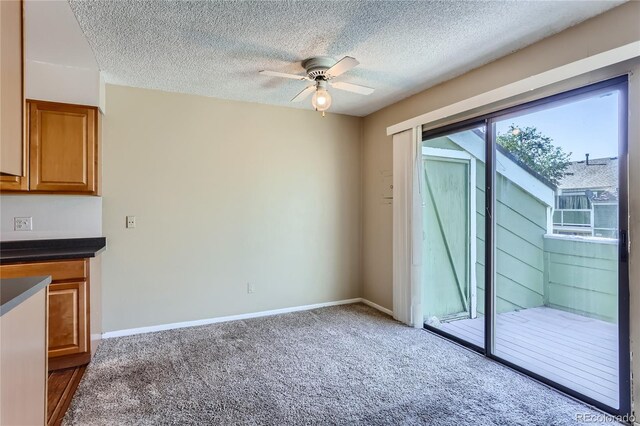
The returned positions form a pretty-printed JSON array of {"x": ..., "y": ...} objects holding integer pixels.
[{"x": 587, "y": 126}]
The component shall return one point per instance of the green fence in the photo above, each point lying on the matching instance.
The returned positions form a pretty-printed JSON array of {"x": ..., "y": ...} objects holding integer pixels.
[{"x": 581, "y": 276}]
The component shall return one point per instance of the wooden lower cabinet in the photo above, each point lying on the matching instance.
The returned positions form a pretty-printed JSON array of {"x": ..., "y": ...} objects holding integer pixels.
[{"x": 69, "y": 320}]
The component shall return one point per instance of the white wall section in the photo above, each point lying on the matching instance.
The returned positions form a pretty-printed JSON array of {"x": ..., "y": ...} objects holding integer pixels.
[
  {"x": 59, "y": 64},
  {"x": 54, "y": 216},
  {"x": 62, "y": 83}
]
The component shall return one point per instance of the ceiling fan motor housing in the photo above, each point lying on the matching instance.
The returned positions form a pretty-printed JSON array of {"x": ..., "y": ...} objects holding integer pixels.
[{"x": 317, "y": 67}]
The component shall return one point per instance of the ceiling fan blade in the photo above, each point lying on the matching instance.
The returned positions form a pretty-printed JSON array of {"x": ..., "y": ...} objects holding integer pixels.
[
  {"x": 284, "y": 75},
  {"x": 342, "y": 66},
  {"x": 355, "y": 88},
  {"x": 304, "y": 94}
]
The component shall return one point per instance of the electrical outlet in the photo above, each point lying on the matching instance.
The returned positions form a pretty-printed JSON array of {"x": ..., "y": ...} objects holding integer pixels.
[
  {"x": 250, "y": 288},
  {"x": 23, "y": 224},
  {"x": 131, "y": 221}
]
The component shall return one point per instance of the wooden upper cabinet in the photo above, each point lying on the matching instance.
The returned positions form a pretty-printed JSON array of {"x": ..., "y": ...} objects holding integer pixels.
[
  {"x": 12, "y": 144},
  {"x": 62, "y": 147}
]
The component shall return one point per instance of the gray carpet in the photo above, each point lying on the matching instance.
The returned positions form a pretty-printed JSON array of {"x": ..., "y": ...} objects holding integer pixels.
[{"x": 340, "y": 365}]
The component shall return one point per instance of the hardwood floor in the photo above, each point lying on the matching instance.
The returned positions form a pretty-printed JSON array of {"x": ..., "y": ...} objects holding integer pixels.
[
  {"x": 575, "y": 351},
  {"x": 62, "y": 384}
]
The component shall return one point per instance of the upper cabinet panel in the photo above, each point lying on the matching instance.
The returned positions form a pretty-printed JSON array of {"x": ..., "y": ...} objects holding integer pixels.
[
  {"x": 63, "y": 147},
  {"x": 12, "y": 146}
]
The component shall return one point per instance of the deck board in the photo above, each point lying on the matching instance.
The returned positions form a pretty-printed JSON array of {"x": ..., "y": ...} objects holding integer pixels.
[{"x": 578, "y": 352}]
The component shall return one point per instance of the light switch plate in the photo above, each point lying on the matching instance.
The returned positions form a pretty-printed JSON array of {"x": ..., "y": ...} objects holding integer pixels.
[
  {"x": 23, "y": 224},
  {"x": 131, "y": 221}
]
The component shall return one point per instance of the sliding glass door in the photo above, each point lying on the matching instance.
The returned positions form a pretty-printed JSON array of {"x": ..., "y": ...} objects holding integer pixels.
[
  {"x": 557, "y": 198},
  {"x": 525, "y": 240},
  {"x": 453, "y": 293}
]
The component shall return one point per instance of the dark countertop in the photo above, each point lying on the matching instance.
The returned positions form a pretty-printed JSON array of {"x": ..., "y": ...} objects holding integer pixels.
[
  {"x": 67, "y": 248},
  {"x": 14, "y": 291}
]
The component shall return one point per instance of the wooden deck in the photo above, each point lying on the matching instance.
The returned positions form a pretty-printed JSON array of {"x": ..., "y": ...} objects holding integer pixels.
[{"x": 578, "y": 352}]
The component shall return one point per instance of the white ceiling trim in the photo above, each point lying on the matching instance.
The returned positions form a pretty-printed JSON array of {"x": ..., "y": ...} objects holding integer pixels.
[{"x": 538, "y": 81}]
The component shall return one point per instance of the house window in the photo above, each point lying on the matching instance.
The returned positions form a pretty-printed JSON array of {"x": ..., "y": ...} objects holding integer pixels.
[
  {"x": 605, "y": 220},
  {"x": 579, "y": 202}
]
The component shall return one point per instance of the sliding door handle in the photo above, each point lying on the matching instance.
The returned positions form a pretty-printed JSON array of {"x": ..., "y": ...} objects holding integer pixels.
[{"x": 624, "y": 246}]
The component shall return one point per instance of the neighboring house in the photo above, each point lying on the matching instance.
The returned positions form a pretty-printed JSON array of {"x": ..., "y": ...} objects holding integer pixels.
[{"x": 587, "y": 199}]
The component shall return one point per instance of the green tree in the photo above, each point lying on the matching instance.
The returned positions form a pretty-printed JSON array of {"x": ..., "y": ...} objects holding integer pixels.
[{"x": 536, "y": 151}]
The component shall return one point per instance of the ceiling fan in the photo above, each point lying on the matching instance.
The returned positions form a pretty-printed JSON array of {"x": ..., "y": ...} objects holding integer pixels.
[{"x": 321, "y": 70}]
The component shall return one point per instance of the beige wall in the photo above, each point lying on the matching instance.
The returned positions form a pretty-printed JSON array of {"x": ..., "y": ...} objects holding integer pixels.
[
  {"x": 225, "y": 193},
  {"x": 612, "y": 29}
]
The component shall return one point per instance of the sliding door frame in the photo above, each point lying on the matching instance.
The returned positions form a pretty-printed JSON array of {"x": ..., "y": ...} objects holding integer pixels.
[{"x": 488, "y": 121}]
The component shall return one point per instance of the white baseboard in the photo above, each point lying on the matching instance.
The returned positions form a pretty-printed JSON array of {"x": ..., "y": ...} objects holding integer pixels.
[
  {"x": 378, "y": 307},
  {"x": 153, "y": 328}
]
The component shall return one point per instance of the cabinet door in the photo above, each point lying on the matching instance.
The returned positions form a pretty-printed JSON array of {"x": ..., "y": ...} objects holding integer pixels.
[
  {"x": 62, "y": 147},
  {"x": 12, "y": 100},
  {"x": 68, "y": 319}
]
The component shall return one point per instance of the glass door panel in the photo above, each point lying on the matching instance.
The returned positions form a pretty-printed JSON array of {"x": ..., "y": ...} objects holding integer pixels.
[
  {"x": 453, "y": 220},
  {"x": 556, "y": 242}
]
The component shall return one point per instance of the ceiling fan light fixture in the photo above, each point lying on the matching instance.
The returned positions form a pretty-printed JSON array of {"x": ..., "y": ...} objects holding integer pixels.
[{"x": 321, "y": 100}]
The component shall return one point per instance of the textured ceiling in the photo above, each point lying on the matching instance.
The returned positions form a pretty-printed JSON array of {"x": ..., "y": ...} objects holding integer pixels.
[{"x": 216, "y": 48}]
